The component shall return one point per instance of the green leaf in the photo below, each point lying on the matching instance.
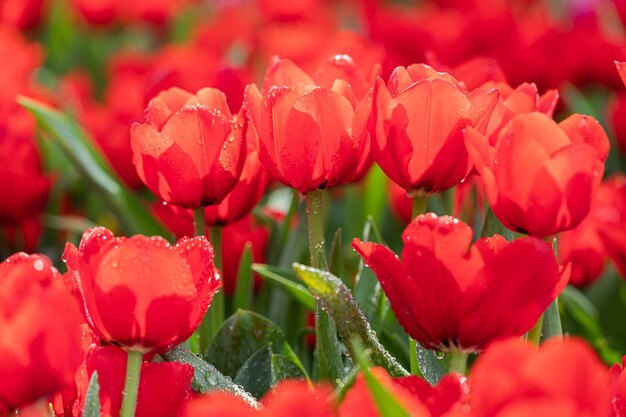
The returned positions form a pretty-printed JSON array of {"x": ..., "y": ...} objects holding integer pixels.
[
  {"x": 265, "y": 369},
  {"x": 132, "y": 214},
  {"x": 430, "y": 367},
  {"x": 492, "y": 226},
  {"x": 329, "y": 360},
  {"x": 386, "y": 403},
  {"x": 245, "y": 280},
  {"x": 552, "y": 321},
  {"x": 241, "y": 335},
  {"x": 91, "y": 407},
  {"x": 286, "y": 279},
  {"x": 345, "y": 311},
  {"x": 367, "y": 289},
  {"x": 205, "y": 376}
]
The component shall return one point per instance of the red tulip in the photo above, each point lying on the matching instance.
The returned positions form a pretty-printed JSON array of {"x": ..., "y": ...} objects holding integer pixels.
[
  {"x": 447, "y": 296},
  {"x": 244, "y": 196},
  {"x": 419, "y": 118},
  {"x": 39, "y": 331},
  {"x": 609, "y": 215},
  {"x": 621, "y": 69},
  {"x": 562, "y": 378},
  {"x": 584, "y": 249},
  {"x": 163, "y": 386},
  {"x": 312, "y": 130},
  {"x": 539, "y": 176},
  {"x": 450, "y": 393},
  {"x": 140, "y": 292},
  {"x": 192, "y": 149},
  {"x": 617, "y": 381}
]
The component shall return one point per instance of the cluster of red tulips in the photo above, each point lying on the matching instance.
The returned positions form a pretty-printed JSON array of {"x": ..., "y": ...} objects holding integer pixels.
[{"x": 182, "y": 241}]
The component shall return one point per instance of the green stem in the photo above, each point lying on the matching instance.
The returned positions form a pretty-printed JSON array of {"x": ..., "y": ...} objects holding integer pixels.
[
  {"x": 419, "y": 204},
  {"x": 458, "y": 361},
  {"x": 415, "y": 368},
  {"x": 214, "y": 316},
  {"x": 131, "y": 386},
  {"x": 316, "y": 229},
  {"x": 549, "y": 324},
  {"x": 198, "y": 222}
]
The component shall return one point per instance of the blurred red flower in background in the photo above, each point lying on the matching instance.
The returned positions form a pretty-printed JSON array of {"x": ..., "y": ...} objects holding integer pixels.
[{"x": 313, "y": 131}]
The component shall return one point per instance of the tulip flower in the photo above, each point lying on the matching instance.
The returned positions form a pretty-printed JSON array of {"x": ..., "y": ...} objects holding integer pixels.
[
  {"x": 191, "y": 151},
  {"x": 312, "y": 130},
  {"x": 449, "y": 297},
  {"x": 617, "y": 382},
  {"x": 540, "y": 176},
  {"x": 609, "y": 215},
  {"x": 563, "y": 378},
  {"x": 141, "y": 292},
  {"x": 39, "y": 331},
  {"x": 419, "y": 117}
]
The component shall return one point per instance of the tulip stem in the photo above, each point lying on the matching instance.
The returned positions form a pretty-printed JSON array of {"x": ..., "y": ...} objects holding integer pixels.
[
  {"x": 419, "y": 204},
  {"x": 214, "y": 316},
  {"x": 198, "y": 222},
  {"x": 458, "y": 361},
  {"x": 316, "y": 229},
  {"x": 131, "y": 386},
  {"x": 415, "y": 368},
  {"x": 549, "y": 324}
]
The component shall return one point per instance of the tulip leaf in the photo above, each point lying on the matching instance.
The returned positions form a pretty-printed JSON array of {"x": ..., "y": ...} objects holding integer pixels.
[
  {"x": 91, "y": 407},
  {"x": 348, "y": 317},
  {"x": 367, "y": 289},
  {"x": 264, "y": 369},
  {"x": 328, "y": 349},
  {"x": 287, "y": 280},
  {"x": 205, "y": 376},
  {"x": 245, "y": 280},
  {"x": 243, "y": 334},
  {"x": 492, "y": 226},
  {"x": 552, "y": 321},
  {"x": 429, "y": 366},
  {"x": 133, "y": 215}
]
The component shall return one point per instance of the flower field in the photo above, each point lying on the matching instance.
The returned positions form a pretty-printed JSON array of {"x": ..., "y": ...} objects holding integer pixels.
[{"x": 313, "y": 208}]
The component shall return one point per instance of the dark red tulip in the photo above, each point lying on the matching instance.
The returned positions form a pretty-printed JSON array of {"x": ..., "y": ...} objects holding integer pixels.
[
  {"x": 419, "y": 117},
  {"x": 563, "y": 378},
  {"x": 313, "y": 131},
  {"x": 450, "y": 294},
  {"x": 540, "y": 176},
  {"x": 39, "y": 331},
  {"x": 141, "y": 292},
  {"x": 191, "y": 151}
]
